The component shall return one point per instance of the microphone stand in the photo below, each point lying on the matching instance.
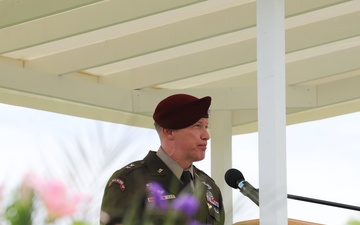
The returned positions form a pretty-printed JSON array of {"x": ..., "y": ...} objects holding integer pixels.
[{"x": 300, "y": 198}]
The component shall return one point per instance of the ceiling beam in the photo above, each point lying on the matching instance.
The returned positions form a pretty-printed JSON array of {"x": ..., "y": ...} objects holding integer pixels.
[
  {"x": 76, "y": 21},
  {"x": 160, "y": 31},
  {"x": 157, "y": 35},
  {"x": 243, "y": 98},
  {"x": 80, "y": 20},
  {"x": 249, "y": 124},
  {"x": 143, "y": 101},
  {"x": 71, "y": 108},
  {"x": 325, "y": 63},
  {"x": 15, "y": 12},
  {"x": 81, "y": 89},
  {"x": 343, "y": 90},
  {"x": 163, "y": 63},
  {"x": 301, "y": 65},
  {"x": 201, "y": 57}
]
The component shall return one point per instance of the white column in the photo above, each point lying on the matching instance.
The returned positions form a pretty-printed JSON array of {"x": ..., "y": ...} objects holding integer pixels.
[
  {"x": 221, "y": 141},
  {"x": 271, "y": 112}
]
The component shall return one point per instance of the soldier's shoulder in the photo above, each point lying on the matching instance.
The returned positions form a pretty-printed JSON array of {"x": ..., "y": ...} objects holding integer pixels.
[
  {"x": 121, "y": 177},
  {"x": 203, "y": 174},
  {"x": 129, "y": 168}
]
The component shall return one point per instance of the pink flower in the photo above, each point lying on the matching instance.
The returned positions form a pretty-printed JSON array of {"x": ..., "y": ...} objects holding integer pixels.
[{"x": 57, "y": 200}]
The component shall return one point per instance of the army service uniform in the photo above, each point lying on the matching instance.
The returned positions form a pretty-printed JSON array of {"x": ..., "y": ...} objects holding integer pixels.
[{"x": 126, "y": 190}]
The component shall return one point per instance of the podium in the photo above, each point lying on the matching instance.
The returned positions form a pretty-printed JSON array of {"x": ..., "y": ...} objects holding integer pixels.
[{"x": 291, "y": 222}]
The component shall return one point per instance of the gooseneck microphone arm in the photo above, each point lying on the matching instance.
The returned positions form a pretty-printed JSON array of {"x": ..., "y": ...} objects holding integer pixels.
[
  {"x": 249, "y": 191},
  {"x": 235, "y": 179},
  {"x": 323, "y": 202}
]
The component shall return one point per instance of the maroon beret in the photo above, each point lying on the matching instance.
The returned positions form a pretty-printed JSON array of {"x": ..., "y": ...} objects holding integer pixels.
[{"x": 181, "y": 110}]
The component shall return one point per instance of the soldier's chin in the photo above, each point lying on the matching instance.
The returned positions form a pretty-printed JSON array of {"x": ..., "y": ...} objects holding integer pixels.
[{"x": 200, "y": 158}]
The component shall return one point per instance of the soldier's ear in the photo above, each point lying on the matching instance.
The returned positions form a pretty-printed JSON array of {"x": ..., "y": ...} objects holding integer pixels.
[{"x": 168, "y": 133}]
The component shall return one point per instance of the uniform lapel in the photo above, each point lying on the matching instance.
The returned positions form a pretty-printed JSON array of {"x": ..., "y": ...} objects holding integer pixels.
[
  {"x": 161, "y": 174},
  {"x": 205, "y": 192}
]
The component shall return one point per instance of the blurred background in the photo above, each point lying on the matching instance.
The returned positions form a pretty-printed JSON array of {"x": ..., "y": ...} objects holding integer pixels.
[{"x": 322, "y": 160}]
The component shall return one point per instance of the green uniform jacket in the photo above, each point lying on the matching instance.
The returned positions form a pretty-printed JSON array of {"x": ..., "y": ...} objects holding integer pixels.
[{"x": 126, "y": 191}]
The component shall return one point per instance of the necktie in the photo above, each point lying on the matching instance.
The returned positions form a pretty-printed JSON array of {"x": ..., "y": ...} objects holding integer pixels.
[{"x": 186, "y": 177}]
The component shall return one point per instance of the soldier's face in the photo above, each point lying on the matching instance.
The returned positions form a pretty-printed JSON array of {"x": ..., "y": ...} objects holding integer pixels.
[{"x": 192, "y": 141}]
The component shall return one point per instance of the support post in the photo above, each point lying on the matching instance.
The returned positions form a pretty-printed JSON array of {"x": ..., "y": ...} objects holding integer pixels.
[
  {"x": 221, "y": 152},
  {"x": 271, "y": 112}
]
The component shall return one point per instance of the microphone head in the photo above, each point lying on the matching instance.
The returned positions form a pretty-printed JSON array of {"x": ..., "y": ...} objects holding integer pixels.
[{"x": 233, "y": 177}]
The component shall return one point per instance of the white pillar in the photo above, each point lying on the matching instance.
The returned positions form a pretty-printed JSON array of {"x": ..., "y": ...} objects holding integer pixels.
[
  {"x": 221, "y": 156},
  {"x": 271, "y": 112}
]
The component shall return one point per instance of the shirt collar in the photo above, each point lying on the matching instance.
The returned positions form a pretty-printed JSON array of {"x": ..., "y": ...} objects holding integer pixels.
[{"x": 172, "y": 164}]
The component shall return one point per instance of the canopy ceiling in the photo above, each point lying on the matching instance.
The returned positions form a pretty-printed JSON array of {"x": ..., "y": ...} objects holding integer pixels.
[{"x": 114, "y": 60}]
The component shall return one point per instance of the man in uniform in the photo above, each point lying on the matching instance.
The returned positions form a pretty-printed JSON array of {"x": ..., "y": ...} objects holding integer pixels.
[{"x": 181, "y": 121}]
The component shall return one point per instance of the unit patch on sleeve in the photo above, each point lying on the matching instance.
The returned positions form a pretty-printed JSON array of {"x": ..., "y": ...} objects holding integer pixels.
[{"x": 118, "y": 181}]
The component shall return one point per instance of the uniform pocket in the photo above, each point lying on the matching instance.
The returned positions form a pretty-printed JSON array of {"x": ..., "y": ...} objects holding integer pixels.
[{"x": 214, "y": 212}]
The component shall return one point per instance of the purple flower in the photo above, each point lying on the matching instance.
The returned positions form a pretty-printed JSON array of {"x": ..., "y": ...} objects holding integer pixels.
[
  {"x": 194, "y": 222},
  {"x": 186, "y": 203},
  {"x": 157, "y": 194}
]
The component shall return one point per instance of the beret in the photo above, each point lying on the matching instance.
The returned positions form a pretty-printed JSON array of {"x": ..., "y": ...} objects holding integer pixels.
[{"x": 181, "y": 110}]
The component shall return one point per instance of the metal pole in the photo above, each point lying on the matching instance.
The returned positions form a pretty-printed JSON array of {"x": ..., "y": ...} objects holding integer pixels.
[{"x": 323, "y": 202}]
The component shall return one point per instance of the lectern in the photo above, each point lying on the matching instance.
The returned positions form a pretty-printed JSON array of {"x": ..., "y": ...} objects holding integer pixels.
[{"x": 291, "y": 222}]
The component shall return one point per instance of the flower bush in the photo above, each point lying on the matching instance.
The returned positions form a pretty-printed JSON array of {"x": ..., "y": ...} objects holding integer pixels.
[
  {"x": 35, "y": 193},
  {"x": 160, "y": 211}
]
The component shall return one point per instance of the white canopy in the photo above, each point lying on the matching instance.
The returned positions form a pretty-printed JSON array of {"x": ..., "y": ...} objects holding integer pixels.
[{"x": 114, "y": 60}]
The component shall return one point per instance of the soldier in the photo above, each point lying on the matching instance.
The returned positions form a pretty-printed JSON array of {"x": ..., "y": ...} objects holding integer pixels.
[{"x": 181, "y": 121}]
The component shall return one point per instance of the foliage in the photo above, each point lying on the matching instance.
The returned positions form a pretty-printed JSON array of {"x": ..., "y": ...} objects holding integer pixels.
[
  {"x": 353, "y": 222},
  {"x": 36, "y": 193}
]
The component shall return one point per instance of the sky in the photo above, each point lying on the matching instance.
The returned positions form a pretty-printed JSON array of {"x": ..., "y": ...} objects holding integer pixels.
[
  {"x": 322, "y": 159},
  {"x": 322, "y": 163}
]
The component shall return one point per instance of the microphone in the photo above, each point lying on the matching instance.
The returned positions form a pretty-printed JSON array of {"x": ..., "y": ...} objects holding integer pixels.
[{"x": 235, "y": 179}]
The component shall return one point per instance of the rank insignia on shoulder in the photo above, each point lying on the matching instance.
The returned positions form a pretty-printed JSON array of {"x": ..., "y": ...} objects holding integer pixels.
[
  {"x": 118, "y": 181},
  {"x": 130, "y": 166}
]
